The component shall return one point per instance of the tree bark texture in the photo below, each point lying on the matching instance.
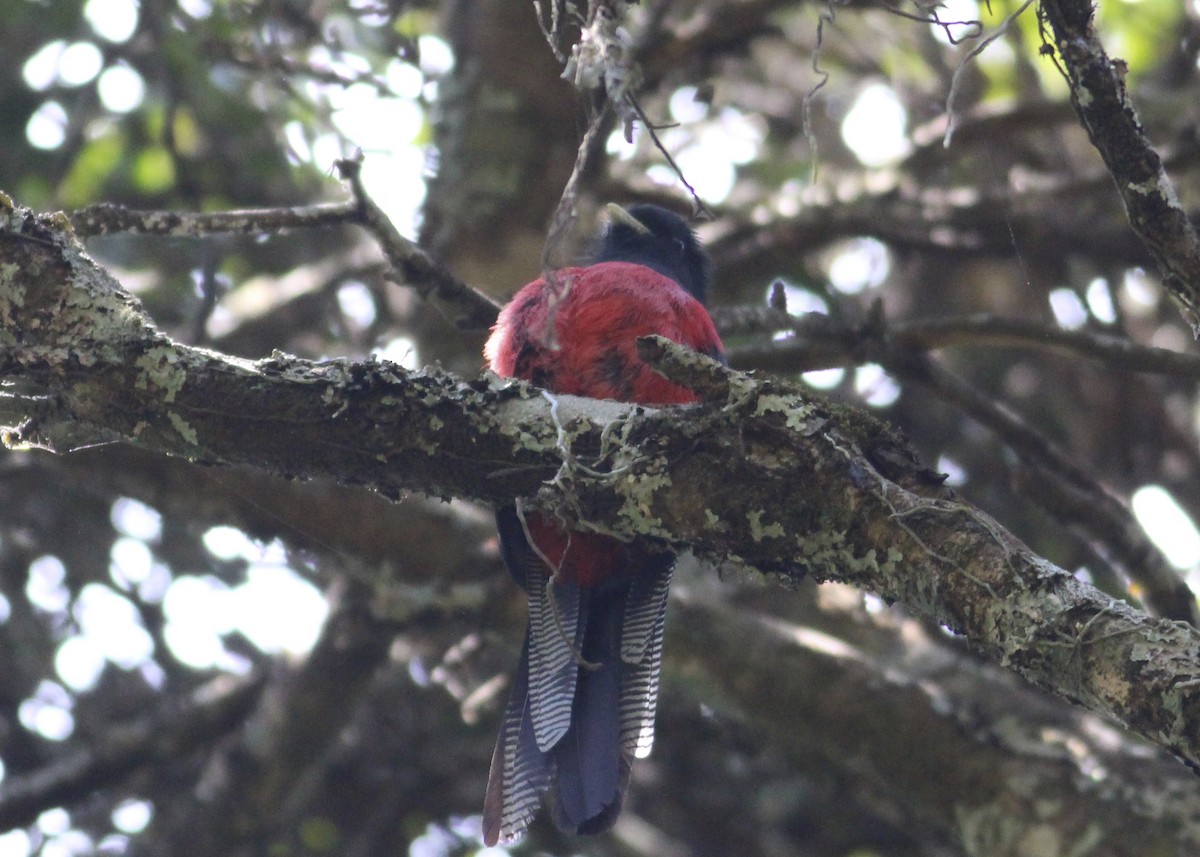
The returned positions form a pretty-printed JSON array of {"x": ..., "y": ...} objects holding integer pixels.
[{"x": 760, "y": 473}]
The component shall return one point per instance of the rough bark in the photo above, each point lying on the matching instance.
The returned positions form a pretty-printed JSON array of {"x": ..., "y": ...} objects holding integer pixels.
[
  {"x": 761, "y": 472},
  {"x": 1105, "y": 109}
]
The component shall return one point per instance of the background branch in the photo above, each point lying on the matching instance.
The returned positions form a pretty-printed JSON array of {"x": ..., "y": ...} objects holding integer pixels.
[
  {"x": 1104, "y": 106},
  {"x": 214, "y": 711}
]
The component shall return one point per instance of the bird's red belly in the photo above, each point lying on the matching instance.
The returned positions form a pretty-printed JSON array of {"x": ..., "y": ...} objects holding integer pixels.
[{"x": 588, "y": 559}]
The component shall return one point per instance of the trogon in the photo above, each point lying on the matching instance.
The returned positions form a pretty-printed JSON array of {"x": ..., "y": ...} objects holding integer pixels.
[{"x": 583, "y": 698}]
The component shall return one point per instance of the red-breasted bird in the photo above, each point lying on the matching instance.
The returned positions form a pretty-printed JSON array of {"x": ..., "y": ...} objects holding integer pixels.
[{"x": 584, "y": 694}]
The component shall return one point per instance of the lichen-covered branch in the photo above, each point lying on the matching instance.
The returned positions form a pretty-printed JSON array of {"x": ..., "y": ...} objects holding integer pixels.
[
  {"x": 109, "y": 219},
  {"x": 1063, "y": 485},
  {"x": 1104, "y": 107},
  {"x": 955, "y": 716},
  {"x": 760, "y": 472},
  {"x": 410, "y": 264}
]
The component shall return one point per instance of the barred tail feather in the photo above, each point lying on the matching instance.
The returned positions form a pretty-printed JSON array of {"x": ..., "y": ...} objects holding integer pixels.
[
  {"x": 554, "y": 634},
  {"x": 520, "y": 773},
  {"x": 570, "y": 727},
  {"x": 641, "y": 653}
]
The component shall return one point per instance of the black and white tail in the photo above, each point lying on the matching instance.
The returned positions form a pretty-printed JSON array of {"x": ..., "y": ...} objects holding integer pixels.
[{"x": 574, "y": 728}]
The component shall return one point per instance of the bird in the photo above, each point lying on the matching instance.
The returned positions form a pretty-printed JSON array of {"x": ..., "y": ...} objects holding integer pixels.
[{"x": 582, "y": 701}]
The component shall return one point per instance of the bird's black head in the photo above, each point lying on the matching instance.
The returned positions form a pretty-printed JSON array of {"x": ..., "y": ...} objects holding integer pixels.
[{"x": 659, "y": 239}]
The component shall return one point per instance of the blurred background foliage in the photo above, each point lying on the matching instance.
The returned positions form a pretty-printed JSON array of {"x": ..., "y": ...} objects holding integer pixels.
[{"x": 302, "y": 669}]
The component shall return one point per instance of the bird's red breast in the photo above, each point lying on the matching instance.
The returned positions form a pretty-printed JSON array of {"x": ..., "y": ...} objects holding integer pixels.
[{"x": 576, "y": 332}]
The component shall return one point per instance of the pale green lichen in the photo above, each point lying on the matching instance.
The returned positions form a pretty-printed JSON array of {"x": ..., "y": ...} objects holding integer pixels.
[
  {"x": 826, "y": 551},
  {"x": 184, "y": 428},
  {"x": 62, "y": 223},
  {"x": 640, "y": 490},
  {"x": 798, "y": 414},
  {"x": 866, "y": 562},
  {"x": 1150, "y": 187},
  {"x": 712, "y": 521},
  {"x": 533, "y": 442},
  {"x": 160, "y": 367},
  {"x": 821, "y": 542},
  {"x": 759, "y": 531}
]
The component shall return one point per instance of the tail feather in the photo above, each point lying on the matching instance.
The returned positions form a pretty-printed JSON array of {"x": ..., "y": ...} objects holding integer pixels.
[
  {"x": 570, "y": 728},
  {"x": 641, "y": 653},
  {"x": 520, "y": 772},
  {"x": 554, "y": 619},
  {"x": 587, "y": 762},
  {"x": 554, "y": 633}
]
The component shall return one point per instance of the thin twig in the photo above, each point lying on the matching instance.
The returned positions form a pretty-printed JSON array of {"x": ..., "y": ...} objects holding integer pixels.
[
  {"x": 108, "y": 219},
  {"x": 416, "y": 267},
  {"x": 974, "y": 52},
  {"x": 699, "y": 209}
]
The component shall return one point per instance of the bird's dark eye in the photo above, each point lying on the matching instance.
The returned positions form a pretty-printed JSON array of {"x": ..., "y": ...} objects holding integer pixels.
[{"x": 679, "y": 243}]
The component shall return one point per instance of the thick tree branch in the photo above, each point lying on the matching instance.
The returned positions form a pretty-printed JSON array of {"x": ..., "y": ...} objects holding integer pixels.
[{"x": 767, "y": 475}]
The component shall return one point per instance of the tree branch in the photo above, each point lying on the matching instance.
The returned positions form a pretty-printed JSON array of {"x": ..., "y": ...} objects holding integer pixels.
[
  {"x": 768, "y": 476},
  {"x": 822, "y": 341},
  {"x": 1064, "y": 486},
  {"x": 410, "y": 264},
  {"x": 1104, "y": 107},
  {"x": 213, "y": 711},
  {"x": 109, "y": 219},
  {"x": 414, "y": 264},
  {"x": 933, "y": 712}
]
